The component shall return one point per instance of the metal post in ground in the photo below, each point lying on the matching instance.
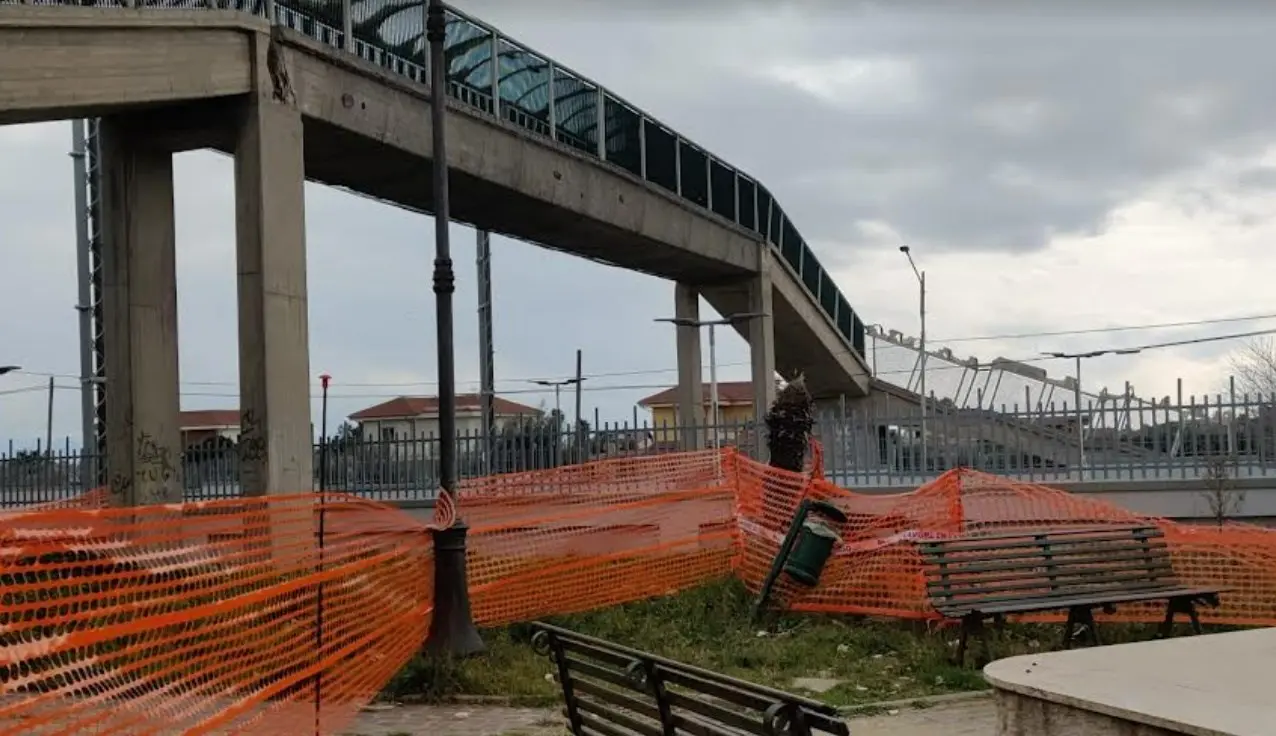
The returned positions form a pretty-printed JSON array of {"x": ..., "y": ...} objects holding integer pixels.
[
  {"x": 452, "y": 630},
  {"x": 324, "y": 379}
]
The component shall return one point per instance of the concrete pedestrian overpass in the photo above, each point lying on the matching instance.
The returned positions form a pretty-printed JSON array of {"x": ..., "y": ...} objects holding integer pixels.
[{"x": 537, "y": 152}]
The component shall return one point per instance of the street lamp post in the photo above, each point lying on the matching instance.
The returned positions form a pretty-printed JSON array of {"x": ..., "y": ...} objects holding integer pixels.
[
  {"x": 558, "y": 387},
  {"x": 713, "y": 357},
  {"x": 324, "y": 380},
  {"x": 452, "y": 631},
  {"x": 921, "y": 281},
  {"x": 1076, "y": 393},
  {"x": 558, "y": 411}
]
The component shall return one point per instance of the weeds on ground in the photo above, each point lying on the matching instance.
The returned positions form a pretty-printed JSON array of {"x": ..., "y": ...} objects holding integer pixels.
[{"x": 872, "y": 659}]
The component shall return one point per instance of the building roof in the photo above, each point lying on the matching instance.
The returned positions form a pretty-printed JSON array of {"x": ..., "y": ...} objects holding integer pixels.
[
  {"x": 406, "y": 407},
  {"x": 209, "y": 419},
  {"x": 730, "y": 393}
]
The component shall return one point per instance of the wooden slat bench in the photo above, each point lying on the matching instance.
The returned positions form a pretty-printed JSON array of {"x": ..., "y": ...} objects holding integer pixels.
[
  {"x": 610, "y": 690},
  {"x": 975, "y": 578}
]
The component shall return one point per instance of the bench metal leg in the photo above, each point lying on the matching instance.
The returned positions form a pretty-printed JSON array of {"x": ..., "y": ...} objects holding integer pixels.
[
  {"x": 971, "y": 625},
  {"x": 1176, "y": 606},
  {"x": 1078, "y": 617}
]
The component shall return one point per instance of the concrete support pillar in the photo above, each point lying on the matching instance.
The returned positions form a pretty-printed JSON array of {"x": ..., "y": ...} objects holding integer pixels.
[
  {"x": 139, "y": 310},
  {"x": 276, "y": 446},
  {"x": 690, "y": 394},
  {"x": 762, "y": 346}
]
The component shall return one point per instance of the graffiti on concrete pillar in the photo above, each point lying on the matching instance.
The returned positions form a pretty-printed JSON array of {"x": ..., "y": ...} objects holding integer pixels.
[
  {"x": 252, "y": 443},
  {"x": 152, "y": 462}
]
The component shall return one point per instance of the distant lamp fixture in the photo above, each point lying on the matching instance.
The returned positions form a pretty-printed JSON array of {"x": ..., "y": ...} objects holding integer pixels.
[{"x": 9, "y": 369}]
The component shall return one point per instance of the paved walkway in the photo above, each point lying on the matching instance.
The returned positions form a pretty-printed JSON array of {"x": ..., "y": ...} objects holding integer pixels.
[{"x": 976, "y": 717}]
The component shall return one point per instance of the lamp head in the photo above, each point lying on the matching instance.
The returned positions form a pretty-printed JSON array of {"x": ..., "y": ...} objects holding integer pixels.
[{"x": 903, "y": 249}]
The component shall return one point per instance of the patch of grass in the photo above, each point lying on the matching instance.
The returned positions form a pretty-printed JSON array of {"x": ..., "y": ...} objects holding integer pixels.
[{"x": 710, "y": 627}]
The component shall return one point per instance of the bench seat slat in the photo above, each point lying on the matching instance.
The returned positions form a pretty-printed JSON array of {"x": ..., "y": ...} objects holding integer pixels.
[
  {"x": 1041, "y": 592},
  {"x": 1029, "y": 605},
  {"x": 1047, "y": 570},
  {"x": 629, "y": 703},
  {"x": 601, "y": 716},
  {"x": 952, "y": 568},
  {"x": 1060, "y": 534},
  {"x": 594, "y": 727},
  {"x": 970, "y": 545},
  {"x": 717, "y": 713},
  {"x": 950, "y": 557},
  {"x": 1058, "y": 578},
  {"x": 589, "y": 669}
]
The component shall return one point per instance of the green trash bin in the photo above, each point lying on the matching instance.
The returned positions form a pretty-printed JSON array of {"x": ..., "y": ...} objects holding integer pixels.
[{"x": 814, "y": 546}]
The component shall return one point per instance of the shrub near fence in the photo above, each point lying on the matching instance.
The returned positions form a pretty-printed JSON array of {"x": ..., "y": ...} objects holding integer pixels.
[{"x": 230, "y": 616}]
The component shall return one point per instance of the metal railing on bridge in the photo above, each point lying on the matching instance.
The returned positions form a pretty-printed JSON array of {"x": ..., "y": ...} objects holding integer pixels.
[{"x": 865, "y": 445}]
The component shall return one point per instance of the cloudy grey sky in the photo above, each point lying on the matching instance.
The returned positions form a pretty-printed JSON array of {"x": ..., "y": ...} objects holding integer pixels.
[{"x": 1051, "y": 169}]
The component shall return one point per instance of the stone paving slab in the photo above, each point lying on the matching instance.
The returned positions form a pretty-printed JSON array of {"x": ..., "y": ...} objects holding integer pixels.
[{"x": 974, "y": 717}]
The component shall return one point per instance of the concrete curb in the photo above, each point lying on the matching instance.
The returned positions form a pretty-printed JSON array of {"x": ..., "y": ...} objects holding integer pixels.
[{"x": 924, "y": 701}]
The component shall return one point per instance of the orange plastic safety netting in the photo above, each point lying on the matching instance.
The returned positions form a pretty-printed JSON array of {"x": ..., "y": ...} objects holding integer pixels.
[
  {"x": 231, "y": 617},
  {"x": 587, "y": 536},
  {"x": 877, "y": 569},
  {"x": 218, "y": 617}
]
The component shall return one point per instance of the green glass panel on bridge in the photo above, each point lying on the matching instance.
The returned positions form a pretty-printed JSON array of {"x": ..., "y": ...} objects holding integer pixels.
[
  {"x": 523, "y": 82},
  {"x": 764, "y": 212},
  {"x": 623, "y": 140},
  {"x": 575, "y": 112},
  {"x": 662, "y": 155},
  {"x": 791, "y": 247},
  {"x": 748, "y": 210},
  {"x": 828, "y": 294},
  {"x": 467, "y": 50},
  {"x": 722, "y": 187},
  {"x": 845, "y": 318},
  {"x": 694, "y": 170},
  {"x": 810, "y": 270}
]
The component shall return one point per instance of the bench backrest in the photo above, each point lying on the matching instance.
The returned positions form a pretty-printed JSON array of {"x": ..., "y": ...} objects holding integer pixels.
[
  {"x": 1030, "y": 565},
  {"x": 610, "y": 689}
]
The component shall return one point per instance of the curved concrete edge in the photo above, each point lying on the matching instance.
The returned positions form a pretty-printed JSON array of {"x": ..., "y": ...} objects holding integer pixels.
[{"x": 1006, "y": 675}]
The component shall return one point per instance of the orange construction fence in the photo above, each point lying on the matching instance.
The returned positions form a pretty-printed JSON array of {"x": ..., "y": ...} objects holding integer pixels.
[{"x": 286, "y": 614}]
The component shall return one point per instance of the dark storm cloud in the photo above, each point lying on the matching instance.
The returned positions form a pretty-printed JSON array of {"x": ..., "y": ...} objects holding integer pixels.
[{"x": 1020, "y": 122}]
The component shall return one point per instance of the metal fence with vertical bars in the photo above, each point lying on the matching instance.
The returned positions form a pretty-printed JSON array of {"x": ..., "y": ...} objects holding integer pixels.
[{"x": 866, "y": 444}]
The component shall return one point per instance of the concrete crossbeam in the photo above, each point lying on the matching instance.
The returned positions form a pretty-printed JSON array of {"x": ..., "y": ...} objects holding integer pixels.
[{"x": 64, "y": 62}]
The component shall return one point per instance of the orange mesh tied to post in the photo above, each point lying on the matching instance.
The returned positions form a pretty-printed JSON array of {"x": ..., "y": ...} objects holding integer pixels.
[{"x": 231, "y": 617}]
